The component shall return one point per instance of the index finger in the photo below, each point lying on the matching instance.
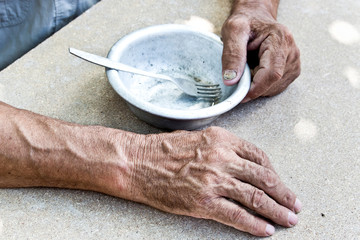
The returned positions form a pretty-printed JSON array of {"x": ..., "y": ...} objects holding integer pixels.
[{"x": 235, "y": 36}]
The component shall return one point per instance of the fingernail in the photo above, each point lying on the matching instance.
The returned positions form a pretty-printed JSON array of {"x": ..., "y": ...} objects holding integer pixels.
[
  {"x": 297, "y": 206},
  {"x": 270, "y": 230},
  {"x": 292, "y": 218},
  {"x": 229, "y": 74}
]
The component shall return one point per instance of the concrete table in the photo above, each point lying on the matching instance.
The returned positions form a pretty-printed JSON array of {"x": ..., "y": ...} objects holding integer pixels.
[{"x": 311, "y": 131}]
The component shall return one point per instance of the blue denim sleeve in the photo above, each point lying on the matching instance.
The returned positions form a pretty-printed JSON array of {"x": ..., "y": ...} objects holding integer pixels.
[
  {"x": 26, "y": 23},
  {"x": 66, "y": 10},
  {"x": 13, "y": 13}
]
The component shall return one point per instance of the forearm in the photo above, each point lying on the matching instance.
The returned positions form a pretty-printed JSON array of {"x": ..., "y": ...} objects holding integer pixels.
[
  {"x": 39, "y": 151},
  {"x": 241, "y": 6}
]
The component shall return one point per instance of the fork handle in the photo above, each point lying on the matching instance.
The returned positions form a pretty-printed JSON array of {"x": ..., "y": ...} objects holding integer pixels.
[{"x": 106, "y": 62}]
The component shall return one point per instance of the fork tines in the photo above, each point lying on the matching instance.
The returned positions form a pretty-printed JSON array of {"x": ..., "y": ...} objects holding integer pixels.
[{"x": 208, "y": 90}]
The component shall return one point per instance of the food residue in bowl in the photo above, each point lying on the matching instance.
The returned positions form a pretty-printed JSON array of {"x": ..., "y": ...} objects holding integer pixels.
[{"x": 166, "y": 94}]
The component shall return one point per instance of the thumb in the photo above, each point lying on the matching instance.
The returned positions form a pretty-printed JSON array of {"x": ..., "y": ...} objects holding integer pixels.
[{"x": 234, "y": 55}]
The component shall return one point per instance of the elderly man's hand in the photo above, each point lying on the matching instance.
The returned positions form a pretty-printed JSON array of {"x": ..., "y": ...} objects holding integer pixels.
[
  {"x": 252, "y": 27},
  {"x": 211, "y": 174}
]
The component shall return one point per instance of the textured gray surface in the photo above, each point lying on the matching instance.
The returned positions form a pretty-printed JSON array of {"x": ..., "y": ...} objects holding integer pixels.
[{"x": 311, "y": 131}]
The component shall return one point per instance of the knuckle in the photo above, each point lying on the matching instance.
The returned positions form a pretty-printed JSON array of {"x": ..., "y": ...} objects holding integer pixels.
[
  {"x": 233, "y": 55},
  {"x": 237, "y": 216},
  {"x": 216, "y": 154},
  {"x": 270, "y": 179},
  {"x": 277, "y": 214},
  {"x": 235, "y": 24},
  {"x": 297, "y": 72},
  {"x": 283, "y": 34},
  {"x": 276, "y": 31},
  {"x": 263, "y": 158},
  {"x": 256, "y": 92},
  {"x": 214, "y": 130},
  {"x": 257, "y": 198},
  {"x": 289, "y": 38},
  {"x": 275, "y": 75},
  {"x": 211, "y": 178},
  {"x": 210, "y": 135},
  {"x": 297, "y": 53},
  {"x": 282, "y": 29},
  {"x": 205, "y": 200},
  {"x": 216, "y": 133},
  {"x": 298, "y": 64},
  {"x": 288, "y": 199}
]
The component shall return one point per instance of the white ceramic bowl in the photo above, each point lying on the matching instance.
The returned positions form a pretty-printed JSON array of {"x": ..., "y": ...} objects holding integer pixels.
[{"x": 178, "y": 51}]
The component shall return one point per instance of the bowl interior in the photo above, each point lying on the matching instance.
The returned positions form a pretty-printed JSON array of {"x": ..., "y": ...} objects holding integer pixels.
[{"x": 173, "y": 50}]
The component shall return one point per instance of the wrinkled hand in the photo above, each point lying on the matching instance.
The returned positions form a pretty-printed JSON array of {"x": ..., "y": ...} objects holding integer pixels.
[
  {"x": 212, "y": 174},
  {"x": 277, "y": 63}
]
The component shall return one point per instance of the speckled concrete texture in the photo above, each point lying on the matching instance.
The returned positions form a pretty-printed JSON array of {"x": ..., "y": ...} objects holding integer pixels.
[{"x": 311, "y": 131}]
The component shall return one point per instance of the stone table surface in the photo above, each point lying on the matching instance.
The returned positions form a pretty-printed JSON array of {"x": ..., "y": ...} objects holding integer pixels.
[{"x": 311, "y": 132}]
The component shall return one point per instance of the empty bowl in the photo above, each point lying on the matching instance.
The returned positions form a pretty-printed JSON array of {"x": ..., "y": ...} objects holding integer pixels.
[{"x": 177, "y": 51}]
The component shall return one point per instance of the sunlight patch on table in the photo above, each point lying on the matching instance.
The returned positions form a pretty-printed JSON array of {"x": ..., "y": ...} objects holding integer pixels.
[
  {"x": 344, "y": 32},
  {"x": 305, "y": 130},
  {"x": 353, "y": 77},
  {"x": 199, "y": 23}
]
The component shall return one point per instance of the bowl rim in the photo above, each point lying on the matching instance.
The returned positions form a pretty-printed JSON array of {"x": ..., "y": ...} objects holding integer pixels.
[{"x": 233, "y": 100}]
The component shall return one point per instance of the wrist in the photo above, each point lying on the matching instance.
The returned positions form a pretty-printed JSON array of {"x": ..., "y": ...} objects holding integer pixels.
[
  {"x": 107, "y": 162},
  {"x": 263, "y": 7},
  {"x": 130, "y": 149},
  {"x": 142, "y": 153}
]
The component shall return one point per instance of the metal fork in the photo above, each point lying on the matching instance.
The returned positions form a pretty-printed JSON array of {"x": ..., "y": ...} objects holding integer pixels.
[{"x": 190, "y": 87}]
